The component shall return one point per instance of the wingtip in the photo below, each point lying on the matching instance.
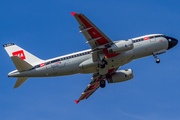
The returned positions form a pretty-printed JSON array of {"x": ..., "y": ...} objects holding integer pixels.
[
  {"x": 76, "y": 101},
  {"x": 73, "y": 13}
]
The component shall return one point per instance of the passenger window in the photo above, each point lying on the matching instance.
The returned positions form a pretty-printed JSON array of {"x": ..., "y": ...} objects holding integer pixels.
[
  {"x": 47, "y": 63},
  {"x": 55, "y": 61},
  {"x": 37, "y": 66}
]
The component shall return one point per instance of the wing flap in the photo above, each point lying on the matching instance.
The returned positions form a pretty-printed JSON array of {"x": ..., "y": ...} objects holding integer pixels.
[{"x": 91, "y": 31}]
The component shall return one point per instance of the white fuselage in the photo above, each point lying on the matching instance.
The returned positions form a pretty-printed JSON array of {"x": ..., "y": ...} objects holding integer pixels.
[{"x": 73, "y": 63}]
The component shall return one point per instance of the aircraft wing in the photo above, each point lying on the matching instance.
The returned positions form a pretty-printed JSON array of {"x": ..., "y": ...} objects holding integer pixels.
[
  {"x": 94, "y": 85},
  {"x": 94, "y": 36}
]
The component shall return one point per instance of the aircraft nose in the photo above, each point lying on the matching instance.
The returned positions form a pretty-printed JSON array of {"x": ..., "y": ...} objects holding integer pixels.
[{"x": 171, "y": 42}]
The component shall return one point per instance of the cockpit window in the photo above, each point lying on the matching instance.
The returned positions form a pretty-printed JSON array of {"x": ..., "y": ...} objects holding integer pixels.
[
  {"x": 157, "y": 36},
  {"x": 151, "y": 37}
]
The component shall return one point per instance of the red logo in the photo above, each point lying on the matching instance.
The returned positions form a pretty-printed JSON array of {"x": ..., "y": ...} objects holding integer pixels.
[
  {"x": 42, "y": 64},
  {"x": 146, "y": 38},
  {"x": 57, "y": 62},
  {"x": 161, "y": 41},
  {"x": 19, "y": 54}
]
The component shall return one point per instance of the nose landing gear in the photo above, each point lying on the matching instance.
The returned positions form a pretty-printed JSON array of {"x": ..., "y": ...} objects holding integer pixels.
[{"x": 157, "y": 59}]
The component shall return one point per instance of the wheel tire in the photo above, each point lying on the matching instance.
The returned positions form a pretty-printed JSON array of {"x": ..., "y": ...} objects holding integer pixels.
[
  {"x": 102, "y": 83},
  {"x": 157, "y": 60}
]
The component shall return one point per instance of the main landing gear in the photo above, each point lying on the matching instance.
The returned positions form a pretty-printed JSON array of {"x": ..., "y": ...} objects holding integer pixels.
[
  {"x": 102, "y": 63},
  {"x": 102, "y": 82},
  {"x": 157, "y": 59}
]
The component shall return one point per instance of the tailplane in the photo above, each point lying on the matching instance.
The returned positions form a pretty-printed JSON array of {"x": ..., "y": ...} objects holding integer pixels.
[
  {"x": 20, "y": 81},
  {"x": 20, "y": 64}
]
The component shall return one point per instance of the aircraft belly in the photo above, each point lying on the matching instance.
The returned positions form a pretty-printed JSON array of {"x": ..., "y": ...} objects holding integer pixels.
[{"x": 120, "y": 60}]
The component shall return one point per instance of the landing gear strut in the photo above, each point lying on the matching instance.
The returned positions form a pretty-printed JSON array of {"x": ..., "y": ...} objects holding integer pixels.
[
  {"x": 102, "y": 63},
  {"x": 157, "y": 59}
]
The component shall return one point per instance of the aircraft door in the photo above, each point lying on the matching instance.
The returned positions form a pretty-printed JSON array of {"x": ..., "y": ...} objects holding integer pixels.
[
  {"x": 48, "y": 65},
  {"x": 152, "y": 39},
  {"x": 62, "y": 64}
]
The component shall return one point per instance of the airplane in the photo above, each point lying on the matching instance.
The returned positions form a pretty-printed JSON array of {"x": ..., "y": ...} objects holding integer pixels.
[{"x": 103, "y": 59}]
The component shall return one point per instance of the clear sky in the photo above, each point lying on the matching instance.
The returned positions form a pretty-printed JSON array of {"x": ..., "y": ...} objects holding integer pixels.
[{"x": 47, "y": 29}]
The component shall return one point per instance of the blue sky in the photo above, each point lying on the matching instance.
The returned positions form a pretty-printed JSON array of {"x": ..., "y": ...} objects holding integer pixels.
[{"x": 47, "y": 30}]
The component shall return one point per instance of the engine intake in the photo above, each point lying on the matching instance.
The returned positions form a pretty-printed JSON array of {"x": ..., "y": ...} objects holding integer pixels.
[
  {"x": 121, "y": 76},
  {"x": 121, "y": 46}
]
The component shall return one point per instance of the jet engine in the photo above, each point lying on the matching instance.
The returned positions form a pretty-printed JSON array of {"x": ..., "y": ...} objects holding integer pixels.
[
  {"x": 121, "y": 76},
  {"x": 121, "y": 46}
]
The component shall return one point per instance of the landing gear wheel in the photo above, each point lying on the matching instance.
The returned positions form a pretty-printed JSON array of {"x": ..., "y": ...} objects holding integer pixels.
[
  {"x": 157, "y": 60},
  {"x": 102, "y": 83}
]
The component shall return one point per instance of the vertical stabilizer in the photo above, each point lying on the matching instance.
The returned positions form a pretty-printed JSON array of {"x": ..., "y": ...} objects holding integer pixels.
[{"x": 14, "y": 50}]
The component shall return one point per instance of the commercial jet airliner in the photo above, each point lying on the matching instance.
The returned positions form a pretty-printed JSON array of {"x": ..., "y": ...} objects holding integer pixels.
[{"x": 103, "y": 59}]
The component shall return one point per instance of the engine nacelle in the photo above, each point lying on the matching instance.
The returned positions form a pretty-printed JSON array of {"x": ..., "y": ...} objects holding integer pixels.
[
  {"x": 121, "y": 76},
  {"x": 121, "y": 46}
]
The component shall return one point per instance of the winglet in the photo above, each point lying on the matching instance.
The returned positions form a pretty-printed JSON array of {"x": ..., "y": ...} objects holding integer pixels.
[
  {"x": 73, "y": 13},
  {"x": 76, "y": 101}
]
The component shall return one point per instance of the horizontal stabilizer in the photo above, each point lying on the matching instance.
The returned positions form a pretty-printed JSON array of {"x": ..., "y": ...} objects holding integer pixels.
[
  {"x": 20, "y": 64},
  {"x": 20, "y": 81}
]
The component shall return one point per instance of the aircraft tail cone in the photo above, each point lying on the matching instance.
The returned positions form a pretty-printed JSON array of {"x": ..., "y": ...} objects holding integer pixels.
[{"x": 76, "y": 101}]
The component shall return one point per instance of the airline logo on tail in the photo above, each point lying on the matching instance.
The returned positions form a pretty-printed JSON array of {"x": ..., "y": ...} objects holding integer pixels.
[{"x": 19, "y": 54}]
